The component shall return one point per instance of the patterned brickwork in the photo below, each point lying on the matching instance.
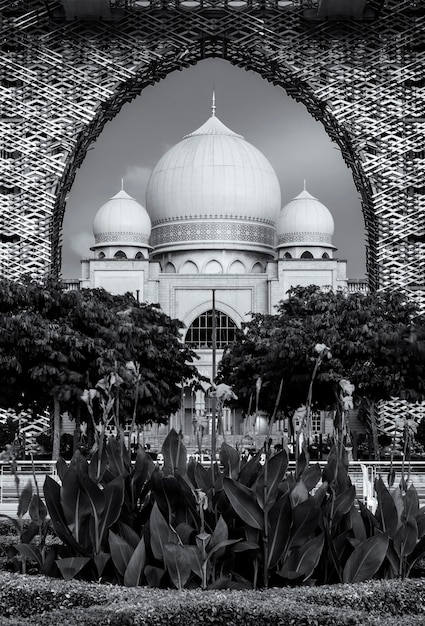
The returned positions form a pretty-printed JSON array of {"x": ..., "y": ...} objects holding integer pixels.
[
  {"x": 62, "y": 79},
  {"x": 30, "y": 426}
]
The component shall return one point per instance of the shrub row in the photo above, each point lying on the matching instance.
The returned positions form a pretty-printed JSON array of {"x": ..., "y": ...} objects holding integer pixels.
[{"x": 41, "y": 601}]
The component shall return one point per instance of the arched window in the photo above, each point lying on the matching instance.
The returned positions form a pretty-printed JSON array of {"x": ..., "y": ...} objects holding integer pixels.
[
  {"x": 307, "y": 255},
  {"x": 237, "y": 267},
  {"x": 169, "y": 268},
  {"x": 199, "y": 334},
  {"x": 101, "y": 255},
  {"x": 213, "y": 267},
  {"x": 257, "y": 268},
  {"x": 139, "y": 255},
  {"x": 189, "y": 267},
  {"x": 120, "y": 255},
  {"x": 287, "y": 255},
  {"x": 325, "y": 255}
]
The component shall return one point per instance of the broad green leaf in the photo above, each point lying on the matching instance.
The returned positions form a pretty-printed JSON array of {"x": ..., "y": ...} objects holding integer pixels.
[
  {"x": 411, "y": 502},
  {"x": 115, "y": 454},
  {"x": 387, "y": 511},
  {"x": 71, "y": 566},
  {"x": 178, "y": 562},
  {"x": 160, "y": 533},
  {"x": 366, "y": 559},
  {"x": 121, "y": 552},
  {"x": 61, "y": 467},
  {"x": 143, "y": 470},
  {"x": 303, "y": 560},
  {"x": 300, "y": 465},
  {"x": 420, "y": 520},
  {"x": 100, "y": 561},
  {"x": 24, "y": 499},
  {"x": 244, "y": 503},
  {"x": 97, "y": 470},
  {"x": 243, "y": 546},
  {"x": 52, "y": 495},
  {"x": 126, "y": 532},
  {"x": 275, "y": 469},
  {"x": 398, "y": 499},
  {"x": 320, "y": 493},
  {"x": 79, "y": 462},
  {"x": 114, "y": 498},
  {"x": 406, "y": 538},
  {"x": 221, "y": 533},
  {"x": 311, "y": 476},
  {"x": 357, "y": 524},
  {"x": 344, "y": 501},
  {"x": 153, "y": 575},
  {"x": 30, "y": 552},
  {"x": 220, "y": 546},
  {"x": 230, "y": 460},
  {"x": 136, "y": 565},
  {"x": 202, "y": 478},
  {"x": 37, "y": 509},
  {"x": 195, "y": 560},
  {"x": 393, "y": 560},
  {"x": 95, "y": 495},
  {"x": 250, "y": 470},
  {"x": 280, "y": 520},
  {"x": 74, "y": 503},
  {"x": 175, "y": 454},
  {"x": 185, "y": 531},
  {"x": 306, "y": 519},
  {"x": 298, "y": 494}
]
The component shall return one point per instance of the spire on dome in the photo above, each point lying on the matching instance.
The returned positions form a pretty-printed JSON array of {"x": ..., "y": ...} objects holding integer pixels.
[
  {"x": 213, "y": 107},
  {"x": 305, "y": 185},
  {"x": 122, "y": 184}
]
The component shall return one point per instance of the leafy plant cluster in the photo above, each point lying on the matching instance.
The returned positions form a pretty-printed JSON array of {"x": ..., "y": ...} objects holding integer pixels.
[
  {"x": 377, "y": 343},
  {"x": 54, "y": 344},
  {"x": 244, "y": 526}
]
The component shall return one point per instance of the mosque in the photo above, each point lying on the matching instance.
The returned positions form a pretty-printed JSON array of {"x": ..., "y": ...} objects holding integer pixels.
[{"x": 212, "y": 237}]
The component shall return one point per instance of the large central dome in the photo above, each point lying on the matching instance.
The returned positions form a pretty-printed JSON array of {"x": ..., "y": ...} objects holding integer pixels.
[{"x": 213, "y": 190}]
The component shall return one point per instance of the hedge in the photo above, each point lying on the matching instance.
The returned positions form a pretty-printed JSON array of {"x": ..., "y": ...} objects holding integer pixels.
[{"x": 36, "y": 600}]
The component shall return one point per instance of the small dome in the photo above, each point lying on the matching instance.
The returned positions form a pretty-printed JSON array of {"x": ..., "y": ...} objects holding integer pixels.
[
  {"x": 213, "y": 188},
  {"x": 121, "y": 221},
  {"x": 305, "y": 221}
]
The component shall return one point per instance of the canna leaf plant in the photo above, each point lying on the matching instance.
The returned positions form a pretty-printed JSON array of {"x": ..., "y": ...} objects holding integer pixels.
[
  {"x": 242, "y": 524},
  {"x": 245, "y": 525}
]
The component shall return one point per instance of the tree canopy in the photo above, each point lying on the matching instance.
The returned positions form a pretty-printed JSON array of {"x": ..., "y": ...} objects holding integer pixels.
[
  {"x": 56, "y": 343},
  {"x": 376, "y": 341}
]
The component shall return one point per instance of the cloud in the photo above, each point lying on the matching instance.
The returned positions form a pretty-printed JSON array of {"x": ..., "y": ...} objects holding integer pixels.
[
  {"x": 137, "y": 178},
  {"x": 80, "y": 243}
]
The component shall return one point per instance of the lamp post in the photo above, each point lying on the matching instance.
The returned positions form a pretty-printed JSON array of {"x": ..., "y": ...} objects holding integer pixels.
[{"x": 214, "y": 368}]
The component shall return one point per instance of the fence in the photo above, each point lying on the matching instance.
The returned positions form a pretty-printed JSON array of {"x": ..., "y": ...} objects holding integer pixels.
[{"x": 362, "y": 475}]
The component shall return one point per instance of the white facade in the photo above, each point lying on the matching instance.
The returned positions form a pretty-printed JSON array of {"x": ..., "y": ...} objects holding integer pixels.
[{"x": 213, "y": 221}]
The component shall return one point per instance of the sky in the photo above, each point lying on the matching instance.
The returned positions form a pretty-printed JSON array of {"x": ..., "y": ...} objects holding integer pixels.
[{"x": 296, "y": 145}]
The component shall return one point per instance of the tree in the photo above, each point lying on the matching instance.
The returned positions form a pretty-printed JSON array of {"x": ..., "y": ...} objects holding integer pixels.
[
  {"x": 54, "y": 344},
  {"x": 376, "y": 341}
]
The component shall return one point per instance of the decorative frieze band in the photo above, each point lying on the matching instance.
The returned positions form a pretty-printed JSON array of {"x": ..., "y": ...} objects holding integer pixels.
[
  {"x": 214, "y": 232},
  {"x": 122, "y": 237},
  {"x": 293, "y": 238}
]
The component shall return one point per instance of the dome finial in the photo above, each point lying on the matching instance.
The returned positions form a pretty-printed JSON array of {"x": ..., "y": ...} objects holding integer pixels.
[
  {"x": 305, "y": 185},
  {"x": 213, "y": 102},
  {"x": 122, "y": 184}
]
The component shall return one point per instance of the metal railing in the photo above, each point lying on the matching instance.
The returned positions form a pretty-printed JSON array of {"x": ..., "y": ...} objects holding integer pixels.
[
  {"x": 25, "y": 471},
  {"x": 362, "y": 474}
]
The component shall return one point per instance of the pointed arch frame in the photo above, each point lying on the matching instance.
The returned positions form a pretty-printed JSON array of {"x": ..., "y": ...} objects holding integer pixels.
[{"x": 362, "y": 76}]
